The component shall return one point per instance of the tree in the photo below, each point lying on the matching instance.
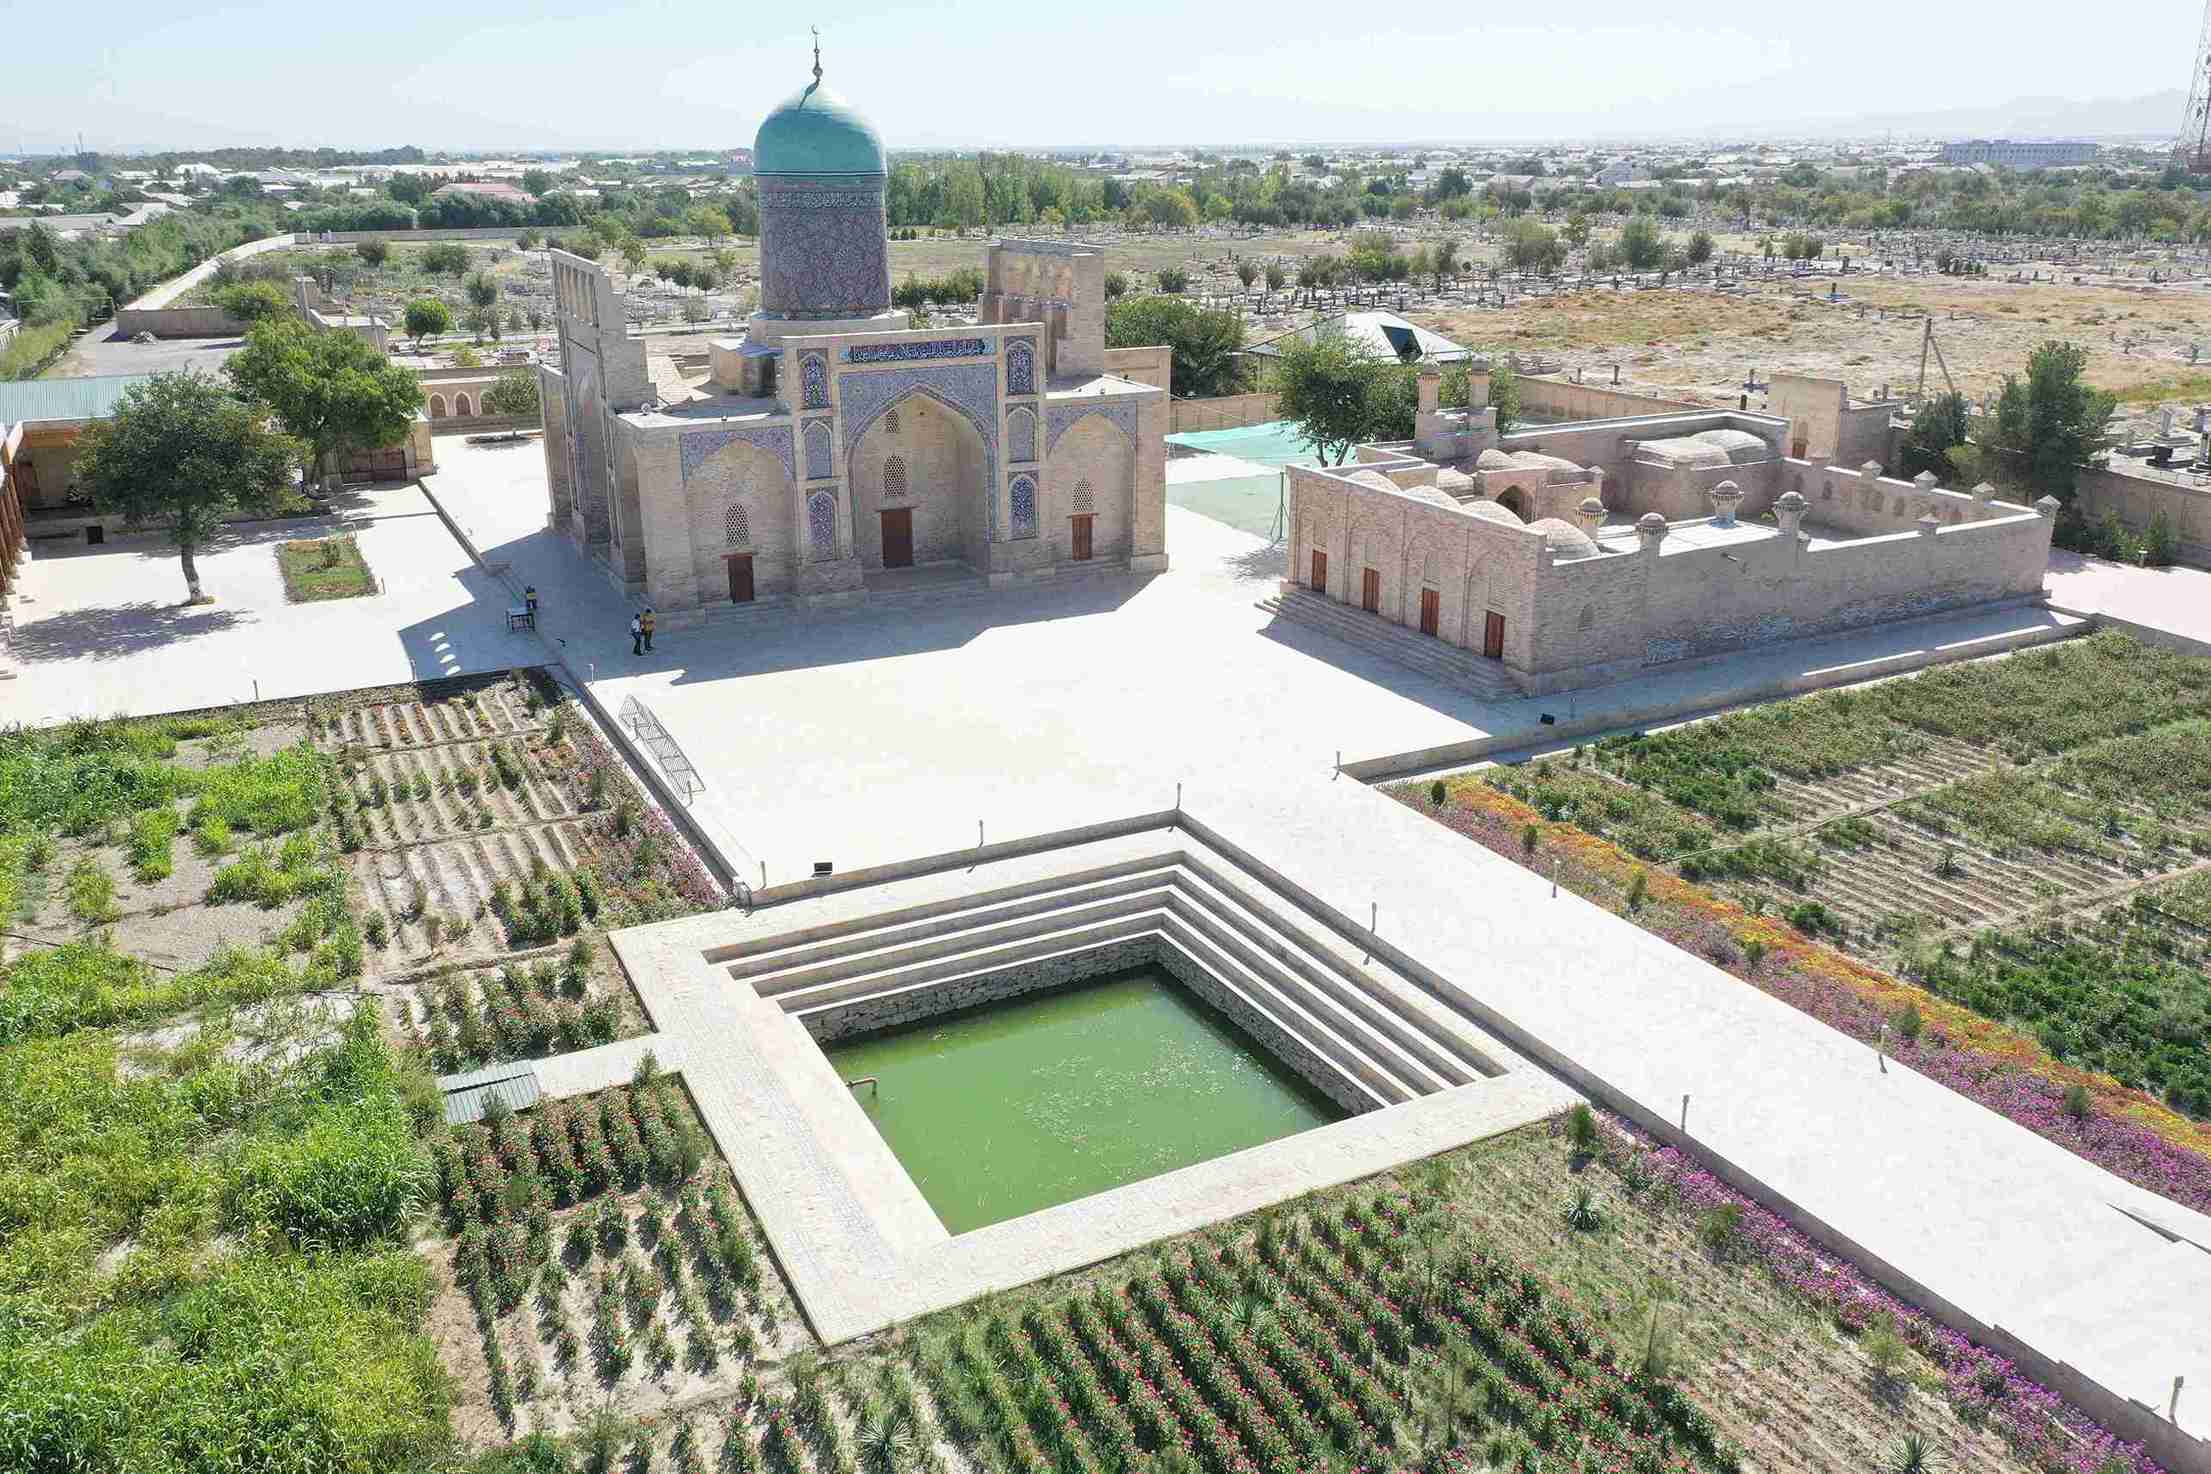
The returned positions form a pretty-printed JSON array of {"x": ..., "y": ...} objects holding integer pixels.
[
  {"x": 1533, "y": 246},
  {"x": 1246, "y": 273},
  {"x": 482, "y": 290},
  {"x": 512, "y": 393},
  {"x": 446, "y": 258},
  {"x": 183, "y": 451},
  {"x": 632, "y": 251},
  {"x": 1641, "y": 246},
  {"x": 1336, "y": 392},
  {"x": 536, "y": 181},
  {"x": 372, "y": 253},
  {"x": 2045, "y": 428},
  {"x": 251, "y": 301},
  {"x": 1116, "y": 285},
  {"x": 333, "y": 391},
  {"x": 1700, "y": 247},
  {"x": 480, "y": 321},
  {"x": 1444, "y": 260},
  {"x": 709, "y": 222},
  {"x": 1173, "y": 279},
  {"x": 1207, "y": 343},
  {"x": 525, "y": 240},
  {"x": 1276, "y": 276},
  {"x": 1941, "y": 424},
  {"x": 426, "y": 317},
  {"x": 1504, "y": 397}
]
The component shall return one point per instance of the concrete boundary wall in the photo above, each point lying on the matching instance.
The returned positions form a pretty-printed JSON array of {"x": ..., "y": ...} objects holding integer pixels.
[
  {"x": 2137, "y": 499},
  {"x": 150, "y": 312},
  {"x": 1229, "y": 412},
  {"x": 1560, "y": 399}
]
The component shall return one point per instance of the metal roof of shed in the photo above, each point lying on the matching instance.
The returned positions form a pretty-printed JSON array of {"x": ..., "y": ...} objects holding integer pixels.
[
  {"x": 91, "y": 398},
  {"x": 468, "y": 1095}
]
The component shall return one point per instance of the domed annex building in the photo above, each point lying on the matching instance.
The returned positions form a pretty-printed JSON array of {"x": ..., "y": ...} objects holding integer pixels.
[
  {"x": 1577, "y": 552},
  {"x": 835, "y": 450}
]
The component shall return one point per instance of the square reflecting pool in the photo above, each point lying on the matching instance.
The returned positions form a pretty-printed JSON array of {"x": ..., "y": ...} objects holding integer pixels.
[{"x": 1015, "y": 1106}]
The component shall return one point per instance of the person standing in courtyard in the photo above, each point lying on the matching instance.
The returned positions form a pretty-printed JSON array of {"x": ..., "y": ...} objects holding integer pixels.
[
  {"x": 637, "y": 635},
  {"x": 646, "y": 621},
  {"x": 529, "y": 602}
]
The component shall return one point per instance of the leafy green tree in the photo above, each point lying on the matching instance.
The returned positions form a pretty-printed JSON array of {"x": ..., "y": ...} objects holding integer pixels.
[
  {"x": 1173, "y": 279},
  {"x": 1700, "y": 247},
  {"x": 632, "y": 252},
  {"x": 445, "y": 258},
  {"x": 1335, "y": 391},
  {"x": 1504, "y": 396},
  {"x": 332, "y": 391},
  {"x": 1246, "y": 273},
  {"x": 251, "y": 301},
  {"x": 1942, "y": 424},
  {"x": 2046, "y": 427},
  {"x": 1444, "y": 260},
  {"x": 184, "y": 452},
  {"x": 1116, "y": 285},
  {"x": 482, "y": 290},
  {"x": 525, "y": 240},
  {"x": 481, "y": 321},
  {"x": 512, "y": 393},
  {"x": 1530, "y": 245},
  {"x": 372, "y": 253},
  {"x": 426, "y": 317},
  {"x": 537, "y": 181},
  {"x": 1207, "y": 343},
  {"x": 1641, "y": 246},
  {"x": 1276, "y": 276}
]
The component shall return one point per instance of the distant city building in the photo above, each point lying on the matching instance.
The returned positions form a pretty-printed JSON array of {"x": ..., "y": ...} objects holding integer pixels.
[{"x": 2015, "y": 155}]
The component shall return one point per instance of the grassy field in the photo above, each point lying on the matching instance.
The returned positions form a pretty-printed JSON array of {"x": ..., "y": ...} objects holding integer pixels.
[{"x": 324, "y": 568}]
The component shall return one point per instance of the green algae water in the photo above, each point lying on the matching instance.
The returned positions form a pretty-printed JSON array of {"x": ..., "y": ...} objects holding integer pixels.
[{"x": 1005, "y": 1109}]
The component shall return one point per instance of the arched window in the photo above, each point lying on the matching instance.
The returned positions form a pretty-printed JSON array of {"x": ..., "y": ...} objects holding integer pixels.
[
  {"x": 737, "y": 525},
  {"x": 1020, "y": 368},
  {"x": 894, "y": 479},
  {"x": 818, "y": 462},
  {"x": 890, "y": 419},
  {"x": 1082, "y": 499},
  {"x": 461, "y": 407},
  {"x": 1588, "y": 616},
  {"x": 437, "y": 406},
  {"x": 1021, "y": 434},
  {"x": 1024, "y": 506}
]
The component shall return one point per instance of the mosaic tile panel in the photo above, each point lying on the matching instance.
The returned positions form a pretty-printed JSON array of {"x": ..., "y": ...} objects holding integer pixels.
[
  {"x": 1060, "y": 418},
  {"x": 817, "y": 450},
  {"x": 1024, "y": 506},
  {"x": 694, "y": 448},
  {"x": 821, "y": 525},
  {"x": 970, "y": 390},
  {"x": 824, "y": 249},
  {"x": 918, "y": 352},
  {"x": 1021, "y": 366},
  {"x": 813, "y": 377}
]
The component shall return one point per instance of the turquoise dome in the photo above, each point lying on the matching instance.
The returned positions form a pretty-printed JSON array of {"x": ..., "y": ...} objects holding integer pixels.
[{"x": 817, "y": 132}]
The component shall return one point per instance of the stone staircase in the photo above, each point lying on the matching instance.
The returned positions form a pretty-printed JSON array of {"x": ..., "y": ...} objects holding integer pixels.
[
  {"x": 1409, "y": 648},
  {"x": 1381, "y": 1036}
]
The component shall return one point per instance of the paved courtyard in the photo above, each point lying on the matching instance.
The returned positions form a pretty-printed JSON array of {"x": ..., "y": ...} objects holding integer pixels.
[
  {"x": 101, "y": 631},
  {"x": 2176, "y": 601}
]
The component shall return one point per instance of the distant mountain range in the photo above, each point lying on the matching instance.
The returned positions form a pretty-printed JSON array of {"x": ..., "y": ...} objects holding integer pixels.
[{"x": 2155, "y": 115}]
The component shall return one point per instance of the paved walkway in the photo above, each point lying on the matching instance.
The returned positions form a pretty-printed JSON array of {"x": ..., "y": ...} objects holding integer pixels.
[
  {"x": 864, "y": 739},
  {"x": 2176, "y": 601},
  {"x": 100, "y": 631}
]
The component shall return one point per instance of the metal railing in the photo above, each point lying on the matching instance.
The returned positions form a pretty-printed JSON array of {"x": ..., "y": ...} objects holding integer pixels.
[{"x": 645, "y": 730}]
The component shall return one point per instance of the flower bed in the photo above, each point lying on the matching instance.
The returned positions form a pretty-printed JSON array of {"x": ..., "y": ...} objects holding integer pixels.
[
  {"x": 1980, "y": 1384},
  {"x": 2123, "y": 1130}
]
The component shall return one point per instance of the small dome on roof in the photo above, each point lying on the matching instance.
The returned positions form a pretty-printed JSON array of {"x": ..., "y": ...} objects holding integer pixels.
[
  {"x": 1493, "y": 460},
  {"x": 1374, "y": 479},
  {"x": 1565, "y": 539},
  {"x": 1454, "y": 481},
  {"x": 1740, "y": 445},
  {"x": 1492, "y": 512},
  {"x": 815, "y": 131}
]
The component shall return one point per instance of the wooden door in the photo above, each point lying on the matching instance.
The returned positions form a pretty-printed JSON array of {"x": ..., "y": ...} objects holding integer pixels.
[
  {"x": 1320, "y": 572},
  {"x": 740, "y": 578},
  {"x": 1370, "y": 591},
  {"x": 26, "y": 482},
  {"x": 1493, "y": 637},
  {"x": 1082, "y": 536},
  {"x": 1431, "y": 612},
  {"x": 898, "y": 537}
]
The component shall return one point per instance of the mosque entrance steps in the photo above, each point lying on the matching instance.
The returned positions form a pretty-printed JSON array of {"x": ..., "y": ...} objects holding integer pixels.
[{"x": 1423, "y": 654}]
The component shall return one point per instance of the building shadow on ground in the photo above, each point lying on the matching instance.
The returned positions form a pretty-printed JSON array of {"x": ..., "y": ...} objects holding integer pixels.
[{"x": 118, "y": 630}]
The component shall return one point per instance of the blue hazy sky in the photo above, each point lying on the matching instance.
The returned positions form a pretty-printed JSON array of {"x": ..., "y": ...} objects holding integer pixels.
[{"x": 502, "y": 74}]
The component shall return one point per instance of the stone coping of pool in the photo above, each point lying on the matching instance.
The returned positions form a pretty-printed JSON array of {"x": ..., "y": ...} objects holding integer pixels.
[{"x": 861, "y": 1247}]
